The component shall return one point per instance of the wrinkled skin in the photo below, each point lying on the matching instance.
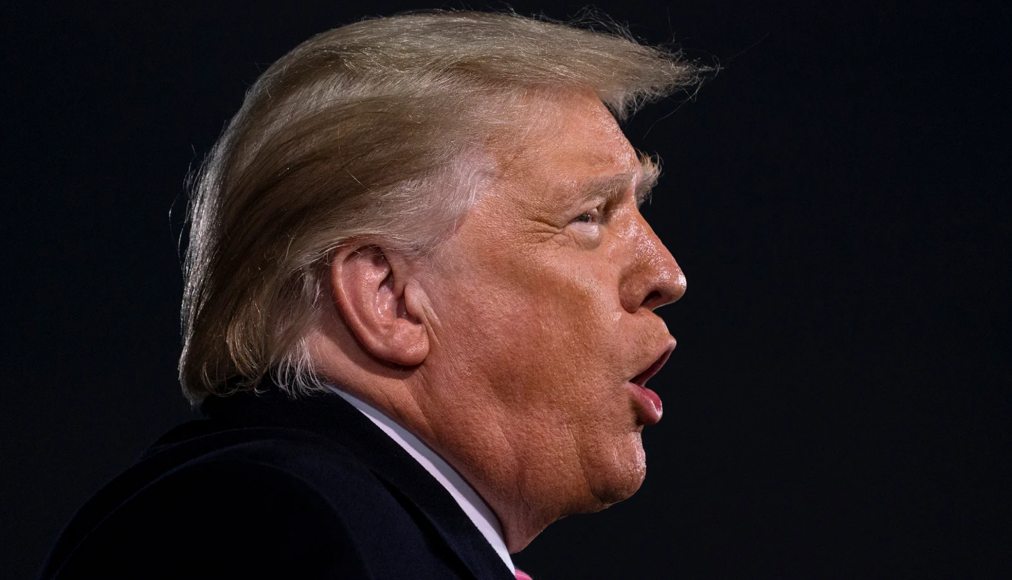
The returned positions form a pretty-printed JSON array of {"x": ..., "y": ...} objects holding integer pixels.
[{"x": 539, "y": 311}]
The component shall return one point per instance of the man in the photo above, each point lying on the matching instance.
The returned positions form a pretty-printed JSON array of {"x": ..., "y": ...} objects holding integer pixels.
[{"x": 418, "y": 312}]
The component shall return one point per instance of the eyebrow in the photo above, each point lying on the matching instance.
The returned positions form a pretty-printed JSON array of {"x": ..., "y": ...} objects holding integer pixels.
[{"x": 612, "y": 186}]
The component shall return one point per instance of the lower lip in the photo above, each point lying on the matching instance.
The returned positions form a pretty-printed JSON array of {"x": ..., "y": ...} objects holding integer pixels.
[{"x": 648, "y": 405}]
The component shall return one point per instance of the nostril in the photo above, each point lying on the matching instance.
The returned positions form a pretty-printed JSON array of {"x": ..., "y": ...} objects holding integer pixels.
[{"x": 653, "y": 299}]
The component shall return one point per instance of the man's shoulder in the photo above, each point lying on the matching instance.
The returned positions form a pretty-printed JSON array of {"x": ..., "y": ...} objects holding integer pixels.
[
  {"x": 269, "y": 452},
  {"x": 231, "y": 496},
  {"x": 259, "y": 501}
]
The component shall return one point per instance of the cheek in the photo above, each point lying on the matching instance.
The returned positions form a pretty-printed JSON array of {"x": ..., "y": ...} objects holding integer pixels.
[
  {"x": 559, "y": 337},
  {"x": 543, "y": 337},
  {"x": 545, "y": 345}
]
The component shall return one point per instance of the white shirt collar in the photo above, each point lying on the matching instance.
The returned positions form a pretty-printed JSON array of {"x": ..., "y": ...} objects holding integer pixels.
[{"x": 465, "y": 495}]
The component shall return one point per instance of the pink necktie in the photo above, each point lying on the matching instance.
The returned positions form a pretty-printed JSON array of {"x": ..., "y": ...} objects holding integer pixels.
[{"x": 521, "y": 575}]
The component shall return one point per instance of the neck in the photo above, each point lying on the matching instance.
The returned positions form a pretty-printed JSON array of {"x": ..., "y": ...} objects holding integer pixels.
[{"x": 442, "y": 414}]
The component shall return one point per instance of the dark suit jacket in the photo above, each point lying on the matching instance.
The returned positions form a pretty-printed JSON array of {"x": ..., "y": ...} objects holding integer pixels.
[{"x": 268, "y": 487}]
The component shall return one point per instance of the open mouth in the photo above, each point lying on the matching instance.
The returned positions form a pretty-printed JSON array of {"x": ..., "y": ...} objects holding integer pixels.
[
  {"x": 642, "y": 378},
  {"x": 649, "y": 407}
]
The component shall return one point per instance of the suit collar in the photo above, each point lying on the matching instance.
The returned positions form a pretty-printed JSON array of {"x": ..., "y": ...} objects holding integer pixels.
[
  {"x": 332, "y": 417},
  {"x": 479, "y": 512}
]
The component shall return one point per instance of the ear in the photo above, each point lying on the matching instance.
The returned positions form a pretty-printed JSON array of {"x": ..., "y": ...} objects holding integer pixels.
[{"x": 373, "y": 294}]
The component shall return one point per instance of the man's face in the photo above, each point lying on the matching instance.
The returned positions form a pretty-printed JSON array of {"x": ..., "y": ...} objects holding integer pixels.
[{"x": 543, "y": 320}]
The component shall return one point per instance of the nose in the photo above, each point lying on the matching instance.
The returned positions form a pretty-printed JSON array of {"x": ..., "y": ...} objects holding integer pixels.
[{"x": 652, "y": 279}]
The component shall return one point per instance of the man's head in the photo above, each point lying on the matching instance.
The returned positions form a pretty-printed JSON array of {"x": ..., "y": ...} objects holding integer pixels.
[{"x": 439, "y": 213}]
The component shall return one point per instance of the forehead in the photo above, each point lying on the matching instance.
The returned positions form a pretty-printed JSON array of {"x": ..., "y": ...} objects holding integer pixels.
[{"x": 568, "y": 143}]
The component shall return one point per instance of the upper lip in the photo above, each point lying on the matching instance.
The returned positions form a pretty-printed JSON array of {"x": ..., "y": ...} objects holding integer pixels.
[{"x": 642, "y": 378}]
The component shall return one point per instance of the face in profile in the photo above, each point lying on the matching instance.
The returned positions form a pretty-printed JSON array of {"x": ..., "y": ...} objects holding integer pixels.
[{"x": 544, "y": 319}]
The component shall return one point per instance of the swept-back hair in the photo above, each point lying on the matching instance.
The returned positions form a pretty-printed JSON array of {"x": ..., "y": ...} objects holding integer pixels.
[{"x": 369, "y": 131}]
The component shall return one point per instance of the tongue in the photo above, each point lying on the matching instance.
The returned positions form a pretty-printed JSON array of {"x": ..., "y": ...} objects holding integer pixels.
[{"x": 650, "y": 404}]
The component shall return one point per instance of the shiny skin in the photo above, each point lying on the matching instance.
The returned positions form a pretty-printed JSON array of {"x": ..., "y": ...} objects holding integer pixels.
[{"x": 539, "y": 311}]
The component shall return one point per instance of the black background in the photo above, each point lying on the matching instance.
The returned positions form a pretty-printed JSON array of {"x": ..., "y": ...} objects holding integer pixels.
[{"x": 838, "y": 195}]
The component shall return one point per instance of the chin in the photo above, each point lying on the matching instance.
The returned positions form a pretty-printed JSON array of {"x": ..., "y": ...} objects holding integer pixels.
[{"x": 622, "y": 478}]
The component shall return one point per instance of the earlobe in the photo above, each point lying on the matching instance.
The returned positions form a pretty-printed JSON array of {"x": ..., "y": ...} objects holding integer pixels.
[{"x": 371, "y": 291}]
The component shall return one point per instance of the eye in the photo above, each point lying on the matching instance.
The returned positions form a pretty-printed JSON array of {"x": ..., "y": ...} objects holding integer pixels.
[
  {"x": 588, "y": 226},
  {"x": 589, "y": 217}
]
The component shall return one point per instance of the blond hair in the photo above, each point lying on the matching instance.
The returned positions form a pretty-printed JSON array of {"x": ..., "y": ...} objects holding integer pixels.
[{"x": 367, "y": 131}]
